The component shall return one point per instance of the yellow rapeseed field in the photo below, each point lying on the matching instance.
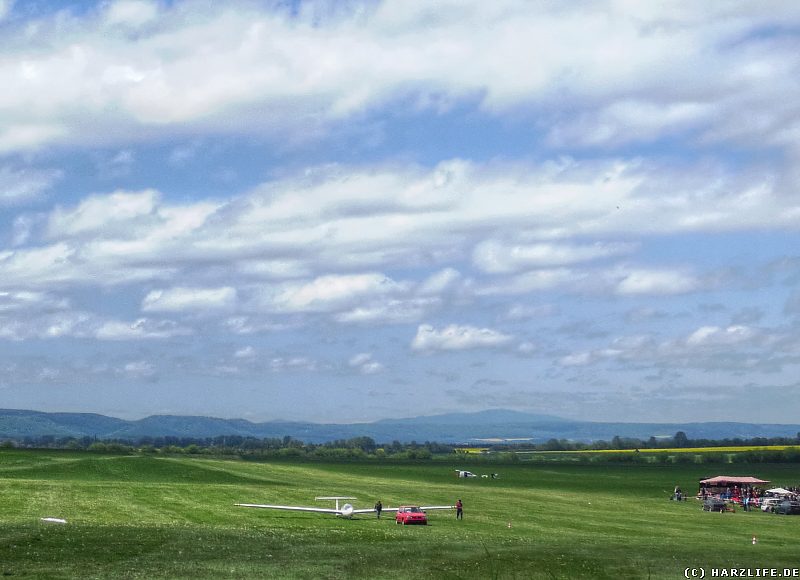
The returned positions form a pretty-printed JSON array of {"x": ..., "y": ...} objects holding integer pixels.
[{"x": 686, "y": 449}]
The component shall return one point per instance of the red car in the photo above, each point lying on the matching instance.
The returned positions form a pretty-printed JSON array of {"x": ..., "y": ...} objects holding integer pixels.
[{"x": 407, "y": 514}]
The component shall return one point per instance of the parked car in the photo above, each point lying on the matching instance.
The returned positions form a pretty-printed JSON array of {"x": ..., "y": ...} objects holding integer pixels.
[
  {"x": 788, "y": 507},
  {"x": 713, "y": 504},
  {"x": 768, "y": 504},
  {"x": 407, "y": 514}
]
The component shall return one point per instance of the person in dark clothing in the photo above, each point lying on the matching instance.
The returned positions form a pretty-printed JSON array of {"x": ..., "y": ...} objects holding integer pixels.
[
  {"x": 378, "y": 508},
  {"x": 459, "y": 510}
]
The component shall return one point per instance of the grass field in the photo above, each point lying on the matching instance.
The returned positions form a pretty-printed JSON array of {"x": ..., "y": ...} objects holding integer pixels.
[{"x": 161, "y": 517}]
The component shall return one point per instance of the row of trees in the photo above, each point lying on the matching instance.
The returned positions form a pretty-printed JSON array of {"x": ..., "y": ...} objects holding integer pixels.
[
  {"x": 680, "y": 441},
  {"x": 367, "y": 448},
  {"x": 707, "y": 456},
  {"x": 246, "y": 447}
]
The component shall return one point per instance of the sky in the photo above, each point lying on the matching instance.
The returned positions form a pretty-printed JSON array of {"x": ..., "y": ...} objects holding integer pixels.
[{"x": 354, "y": 210}]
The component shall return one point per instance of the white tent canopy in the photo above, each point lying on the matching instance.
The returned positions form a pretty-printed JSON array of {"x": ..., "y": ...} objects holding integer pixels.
[{"x": 779, "y": 491}]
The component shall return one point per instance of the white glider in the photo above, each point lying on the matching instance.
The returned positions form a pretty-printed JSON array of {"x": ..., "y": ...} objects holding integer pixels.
[{"x": 345, "y": 511}]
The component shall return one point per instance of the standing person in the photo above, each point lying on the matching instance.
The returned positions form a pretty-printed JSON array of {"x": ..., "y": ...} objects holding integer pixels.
[
  {"x": 459, "y": 510},
  {"x": 378, "y": 508}
]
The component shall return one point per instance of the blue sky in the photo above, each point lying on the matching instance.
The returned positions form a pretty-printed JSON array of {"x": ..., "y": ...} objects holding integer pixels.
[{"x": 345, "y": 211}]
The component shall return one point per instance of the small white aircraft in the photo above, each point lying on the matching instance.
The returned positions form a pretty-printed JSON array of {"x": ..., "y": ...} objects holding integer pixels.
[
  {"x": 462, "y": 473},
  {"x": 345, "y": 511}
]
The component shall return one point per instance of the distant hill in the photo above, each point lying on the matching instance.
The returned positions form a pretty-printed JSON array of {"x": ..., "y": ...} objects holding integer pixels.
[
  {"x": 447, "y": 428},
  {"x": 490, "y": 416},
  {"x": 16, "y": 423}
]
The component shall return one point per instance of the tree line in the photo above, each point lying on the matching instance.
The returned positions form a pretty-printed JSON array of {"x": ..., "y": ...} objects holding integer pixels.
[
  {"x": 678, "y": 441},
  {"x": 366, "y": 447},
  {"x": 353, "y": 448}
]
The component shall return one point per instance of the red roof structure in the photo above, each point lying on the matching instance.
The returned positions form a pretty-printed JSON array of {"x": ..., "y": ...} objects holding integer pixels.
[{"x": 732, "y": 480}]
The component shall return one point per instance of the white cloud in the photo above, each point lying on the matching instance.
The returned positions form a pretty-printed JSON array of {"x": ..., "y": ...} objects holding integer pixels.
[
  {"x": 118, "y": 165},
  {"x": 22, "y": 230},
  {"x": 456, "y": 337},
  {"x": 26, "y": 316},
  {"x": 525, "y": 311},
  {"x": 497, "y": 257},
  {"x": 180, "y": 299},
  {"x": 246, "y": 352},
  {"x": 95, "y": 214},
  {"x": 716, "y": 336},
  {"x": 295, "y": 363},
  {"x": 139, "y": 369},
  {"x": 534, "y": 281},
  {"x": 106, "y": 240},
  {"x": 63, "y": 264},
  {"x": 440, "y": 282},
  {"x": 131, "y": 13},
  {"x": 579, "y": 359},
  {"x": 371, "y": 368},
  {"x": 31, "y": 301},
  {"x": 334, "y": 292},
  {"x": 365, "y": 364},
  {"x": 273, "y": 269},
  {"x": 250, "y": 325},
  {"x": 368, "y": 218},
  {"x": 140, "y": 329},
  {"x": 30, "y": 136},
  {"x": 20, "y": 185},
  {"x": 723, "y": 350},
  {"x": 625, "y": 120},
  {"x": 46, "y": 326},
  {"x": 359, "y": 359},
  {"x": 392, "y": 311},
  {"x": 576, "y": 359},
  {"x": 656, "y": 282}
]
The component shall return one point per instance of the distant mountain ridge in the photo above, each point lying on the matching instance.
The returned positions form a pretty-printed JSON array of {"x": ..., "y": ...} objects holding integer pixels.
[
  {"x": 446, "y": 428},
  {"x": 487, "y": 416}
]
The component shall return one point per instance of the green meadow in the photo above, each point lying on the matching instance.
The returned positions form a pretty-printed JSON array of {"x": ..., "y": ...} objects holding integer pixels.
[{"x": 142, "y": 516}]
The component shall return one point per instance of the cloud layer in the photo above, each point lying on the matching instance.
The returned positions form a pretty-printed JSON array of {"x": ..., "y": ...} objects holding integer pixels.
[
  {"x": 378, "y": 202},
  {"x": 629, "y": 74}
]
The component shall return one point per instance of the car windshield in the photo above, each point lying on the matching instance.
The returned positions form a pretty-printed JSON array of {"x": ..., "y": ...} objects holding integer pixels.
[{"x": 413, "y": 509}]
